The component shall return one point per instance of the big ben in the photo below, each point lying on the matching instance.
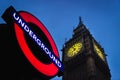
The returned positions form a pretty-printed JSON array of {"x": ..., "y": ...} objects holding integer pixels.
[{"x": 83, "y": 57}]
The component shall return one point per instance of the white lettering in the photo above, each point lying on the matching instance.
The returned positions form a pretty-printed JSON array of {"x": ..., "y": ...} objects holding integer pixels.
[
  {"x": 26, "y": 28},
  {"x": 59, "y": 64},
  {"x": 43, "y": 46},
  {"x": 50, "y": 55},
  {"x": 34, "y": 37},
  {"x": 54, "y": 59},
  {"x": 21, "y": 23},
  {"x": 30, "y": 33},
  {"x": 16, "y": 18},
  {"x": 46, "y": 50}
]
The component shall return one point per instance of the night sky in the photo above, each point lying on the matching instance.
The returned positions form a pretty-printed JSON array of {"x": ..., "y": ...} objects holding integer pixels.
[{"x": 101, "y": 17}]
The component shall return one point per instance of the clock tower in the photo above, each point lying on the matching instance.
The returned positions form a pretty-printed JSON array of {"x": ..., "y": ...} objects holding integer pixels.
[{"x": 83, "y": 57}]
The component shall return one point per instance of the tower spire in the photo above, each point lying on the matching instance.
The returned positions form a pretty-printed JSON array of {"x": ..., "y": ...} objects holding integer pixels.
[{"x": 80, "y": 21}]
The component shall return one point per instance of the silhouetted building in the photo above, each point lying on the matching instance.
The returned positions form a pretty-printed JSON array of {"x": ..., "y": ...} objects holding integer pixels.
[{"x": 83, "y": 57}]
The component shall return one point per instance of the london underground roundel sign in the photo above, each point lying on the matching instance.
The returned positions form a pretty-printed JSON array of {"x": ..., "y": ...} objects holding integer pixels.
[{"x": 21, "y": 20}]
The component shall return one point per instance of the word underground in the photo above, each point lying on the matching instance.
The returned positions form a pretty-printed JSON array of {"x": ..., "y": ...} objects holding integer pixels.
[{"x": 25, "y": 27}]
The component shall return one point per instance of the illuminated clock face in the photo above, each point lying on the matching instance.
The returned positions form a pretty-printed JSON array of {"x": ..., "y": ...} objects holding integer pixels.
[
  {"x": 74, "y": 49},
  {"x": 99, "y": 52}
]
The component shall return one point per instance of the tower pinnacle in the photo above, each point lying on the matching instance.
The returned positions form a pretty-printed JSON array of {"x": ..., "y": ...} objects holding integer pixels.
[{"x": 80, "y": 21}]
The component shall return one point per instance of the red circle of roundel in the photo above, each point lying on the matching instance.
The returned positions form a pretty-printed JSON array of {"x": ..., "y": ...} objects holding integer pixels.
[{"x": 46, "y": 69}]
